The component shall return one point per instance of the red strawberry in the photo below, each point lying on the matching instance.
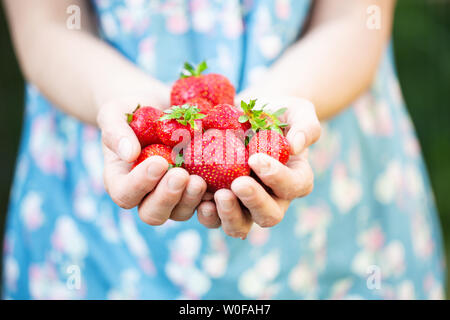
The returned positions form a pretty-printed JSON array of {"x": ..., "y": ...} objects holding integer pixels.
[
  {"x": 271, "y": 143},
  {"x": 202, "y": 104},
  {"x": 215, "y": 88},
  {"x": 269, "y": 136},
  {"x": 225, "y": 117},
  {"x": 155, "y": 150},
  {"x": 179, "y": 124},
  {"x": 218, "y": 157},
  {"x": 143, "y": 122}
]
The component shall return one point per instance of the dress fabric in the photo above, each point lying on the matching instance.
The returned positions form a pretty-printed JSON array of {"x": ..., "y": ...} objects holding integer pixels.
[{"x": 369, "y": 230}]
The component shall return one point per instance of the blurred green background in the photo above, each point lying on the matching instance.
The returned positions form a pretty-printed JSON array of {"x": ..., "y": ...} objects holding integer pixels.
[{"x": 422, "y": 44}]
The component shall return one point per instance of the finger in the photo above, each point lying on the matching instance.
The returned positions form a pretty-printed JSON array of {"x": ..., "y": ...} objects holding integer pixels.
[
  {"x": 264, "y": 210},
  {"x": 158, "y": 205},
  {"x": 235, "y": 222},
  {"x": 191, "y": 198},
  {"x": 117, "y": 135},
  {"x": 304, "y": 126},
  {"x": 127, "y": 189},
  {"x": 207, "y": 215},
  {"x": 287, "y": 182},
  {"x": 208, "y": 196}
]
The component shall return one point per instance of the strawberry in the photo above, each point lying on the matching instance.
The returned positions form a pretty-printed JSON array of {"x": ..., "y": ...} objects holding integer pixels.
[
  {"x": 143, "y": 122},
  {"x": 179, "y": 124},
  {"x": 202, "y": 104},
  {"x": 225, "y": 117},
  {"x": 214, "y": 88},
  {"x": 261, "y": 119},
  {"x": 271, "y": 143},
  {"x": 156, "y": 150},
  {"x": 218, "y": 157},
  {"x": 269, "y": 138}
]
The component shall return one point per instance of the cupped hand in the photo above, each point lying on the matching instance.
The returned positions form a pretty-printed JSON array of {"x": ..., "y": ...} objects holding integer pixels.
[
  {"x": 286, "y": 183},
  {"x": 160, "y": 194}
]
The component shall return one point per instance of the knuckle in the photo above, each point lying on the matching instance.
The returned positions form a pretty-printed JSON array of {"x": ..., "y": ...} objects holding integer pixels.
[
  {"x": 150, "y": 218},
  {"x": 254, "y": 203},
  {"x": 272, "y": 173},
  {"x": 182, "y": 213},
  {"x": 191, "y": 200},
  {"x": 273, "y": 181},
  {"x": 229, "y": 219},
  {"x": 166, "y": 200},
  {"x": 269, "y": 221},
  {"x": 121, "y": 201},
  {"x": 140, "y": 188}
]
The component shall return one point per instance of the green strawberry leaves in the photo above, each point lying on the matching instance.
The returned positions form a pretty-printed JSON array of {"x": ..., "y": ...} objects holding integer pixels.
[
  {"x": 184, "y": 114},
  {"x": 243, "y": 119},
  {"x": 179, "y": 160},
  {"x": 190, "y": 71},
  {"x": 260, "y": 119}
]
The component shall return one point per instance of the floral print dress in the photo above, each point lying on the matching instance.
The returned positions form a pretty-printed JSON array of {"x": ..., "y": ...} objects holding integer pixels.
[{"x": 369, "y": 230}]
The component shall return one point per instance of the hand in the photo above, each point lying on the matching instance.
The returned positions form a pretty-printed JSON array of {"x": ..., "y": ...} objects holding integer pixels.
[
  {"x": 288, "y": 182},
  {"x": 160, "y": 195}
]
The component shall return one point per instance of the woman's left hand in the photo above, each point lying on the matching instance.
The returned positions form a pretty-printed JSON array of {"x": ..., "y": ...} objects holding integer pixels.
[{"x": 288, "y": 182}]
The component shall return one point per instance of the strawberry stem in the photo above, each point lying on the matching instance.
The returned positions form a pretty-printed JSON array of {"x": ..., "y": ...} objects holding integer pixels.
[
  {"x": 190, "y": 71},
  {"x": 130, "y": 115},
  {"x": 261, "y": 119},
  {"x": 184, "y": 114}
]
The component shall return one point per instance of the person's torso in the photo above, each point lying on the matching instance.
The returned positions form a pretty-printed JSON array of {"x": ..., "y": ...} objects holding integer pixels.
[{"x": 238, "y": 38}]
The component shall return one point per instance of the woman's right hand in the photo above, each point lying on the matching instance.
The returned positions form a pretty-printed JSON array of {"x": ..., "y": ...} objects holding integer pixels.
[{"x": 159, "y": 194}]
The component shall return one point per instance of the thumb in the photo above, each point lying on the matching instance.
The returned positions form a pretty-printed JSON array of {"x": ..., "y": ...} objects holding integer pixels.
[{"x": 117, "y": 135}]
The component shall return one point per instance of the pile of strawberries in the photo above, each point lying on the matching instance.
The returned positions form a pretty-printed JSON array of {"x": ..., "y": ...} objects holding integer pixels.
[{"x": 205, "y": 133}]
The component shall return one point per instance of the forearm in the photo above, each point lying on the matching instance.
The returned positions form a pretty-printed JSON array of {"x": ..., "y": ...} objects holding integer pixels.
[
  {"x": 74, "y": 69},
  {"x": 334, "y": 62}
]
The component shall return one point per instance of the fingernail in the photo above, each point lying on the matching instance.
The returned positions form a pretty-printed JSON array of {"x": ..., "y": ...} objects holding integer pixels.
[
  {"x": 125, "y": 149},
  {"x": 226, "y": 204},
  {"x": 299, "y": 142},
  {"x": 260, "y": 164},
  {"x": 207, "y": 213},
  {"x": 156, "y": 169},
  {"x": 175, "y": 183},
  {"x": 244, "y": 191},
  {"x": 194, "y": 190}
]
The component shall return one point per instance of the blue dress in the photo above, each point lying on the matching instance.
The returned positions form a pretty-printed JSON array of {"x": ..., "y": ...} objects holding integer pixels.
[{"x": 369, "y": 230}]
